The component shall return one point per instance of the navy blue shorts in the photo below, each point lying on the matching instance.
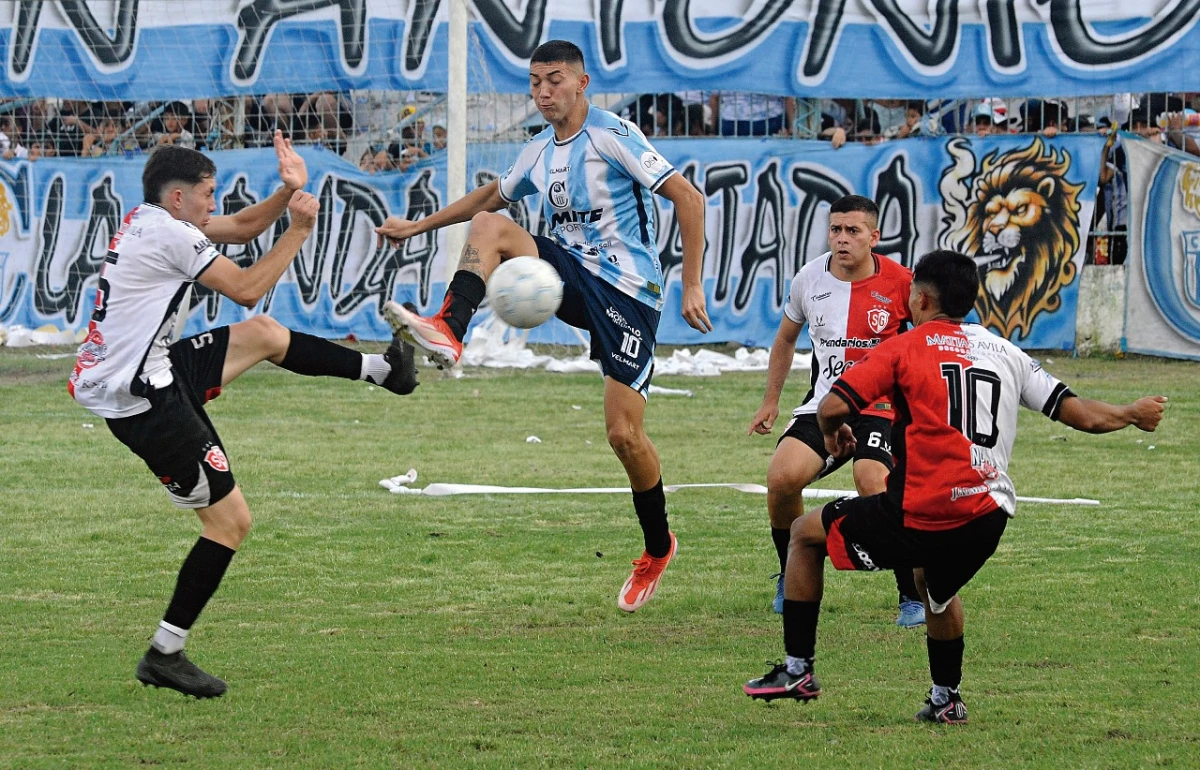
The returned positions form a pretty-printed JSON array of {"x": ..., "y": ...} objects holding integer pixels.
[{"x": 623, "y": 329}]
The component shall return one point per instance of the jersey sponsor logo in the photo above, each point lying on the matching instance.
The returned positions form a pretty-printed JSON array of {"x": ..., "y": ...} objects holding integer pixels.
[
  {"x": 93, "y": 350},
  {"x": 560, "y": 169},
  {"x": 877, "y": 319},
  {"x": 850, "y": 342},
  {"x": 216, "y": 459},
  {"x": 958, "y": 492},
  {"x": 567, "y": 218},
  {"x": 819, "y": 297},
  {"x": 885, "y": 300},
  {"x": 201, "y": 245},
  {"x": 653, "y": 162},
  {"x": 947, "y": 341},
  {"x": 558, "y": 195}
]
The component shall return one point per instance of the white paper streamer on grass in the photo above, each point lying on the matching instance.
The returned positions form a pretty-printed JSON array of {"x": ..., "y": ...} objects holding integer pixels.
[{"x": 398, "y": 485}]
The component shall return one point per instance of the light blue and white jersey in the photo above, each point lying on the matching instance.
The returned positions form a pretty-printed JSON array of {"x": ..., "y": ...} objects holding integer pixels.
[{"x": 597, "y": 199}]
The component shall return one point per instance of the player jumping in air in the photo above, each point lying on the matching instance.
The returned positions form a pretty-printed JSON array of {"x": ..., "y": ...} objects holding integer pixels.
[
  {"x": 596, "y": 173},
  {"x": 150, "y": 386},
  {"x": 955, "y": 388}
]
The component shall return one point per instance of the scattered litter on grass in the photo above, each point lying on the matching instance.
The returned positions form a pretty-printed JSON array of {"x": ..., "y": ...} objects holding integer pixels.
[
  {"x": 533, "y": 440},
  {"x": 576, "y": 407},
  {"x": 88, "y": 425},
  {"x": 657, "y": 391}
]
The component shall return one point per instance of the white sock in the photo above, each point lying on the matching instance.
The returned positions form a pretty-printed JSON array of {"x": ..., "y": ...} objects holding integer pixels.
[
  {"x": 374, "y": 368},
  {"x": 796, "y": 666},
  {"x": 168, "y": 639},
  {"x": 941, "y": 695}
]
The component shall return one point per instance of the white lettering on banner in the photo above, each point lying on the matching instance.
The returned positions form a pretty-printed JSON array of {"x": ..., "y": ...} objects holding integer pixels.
[
  {"x": 766, "y": 217},
  {"x": 955, "y": 49}
]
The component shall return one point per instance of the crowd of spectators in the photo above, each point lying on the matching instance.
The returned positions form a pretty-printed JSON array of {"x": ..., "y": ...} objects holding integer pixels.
[{"x": 41, "y": 128}]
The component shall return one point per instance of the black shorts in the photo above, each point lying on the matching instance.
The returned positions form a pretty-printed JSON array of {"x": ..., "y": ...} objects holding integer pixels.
[
  {"x": 872, "y": 436},
  {"x": 174, "y": 437},
  {"x": 868, "y": 533},
  {"x": 623, "y": 329}
]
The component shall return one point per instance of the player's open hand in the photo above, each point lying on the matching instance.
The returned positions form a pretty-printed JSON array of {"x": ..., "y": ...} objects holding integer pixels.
[
  {"x": 1147, "y": 412},
  {"x": 302, "y": 209},
  {"x": 292, "y": 169},
  {"x": 842, "y": 444},
  {"x": 763, "y": 420},
  {"x": 396, "y": 230},
  {"x": 694, "y": 309}
]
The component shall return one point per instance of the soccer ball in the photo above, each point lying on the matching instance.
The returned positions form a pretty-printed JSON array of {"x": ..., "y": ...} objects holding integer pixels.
[{"x": 524, "y": 291}]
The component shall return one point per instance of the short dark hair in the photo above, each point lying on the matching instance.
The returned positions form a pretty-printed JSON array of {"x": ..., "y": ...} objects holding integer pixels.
[
  {"x": 170, "y": 163},
  {"x": 953, "y": 277},
  {"x": 557, "y": 51},
  {"x": 850, "y": 203}
]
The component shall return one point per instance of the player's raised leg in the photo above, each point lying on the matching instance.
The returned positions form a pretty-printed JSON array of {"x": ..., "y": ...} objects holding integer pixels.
[
  {"x": 490, "y": 239},
  {"x": 870, "y": 478},
  {"x": 624, "y": 409},
  {"x": 262, "y": 338}
]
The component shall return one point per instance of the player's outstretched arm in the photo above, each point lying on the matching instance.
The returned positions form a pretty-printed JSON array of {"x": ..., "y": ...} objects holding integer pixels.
[
  {"x": 246, "y": 286},
  {"x": 1092, "y": 416},
  {"x": 783, "y": 350},
  {"x": 250, "y": 222},
  {"x": 486, "y": 198},
  {"x": 689, "y": 209}
]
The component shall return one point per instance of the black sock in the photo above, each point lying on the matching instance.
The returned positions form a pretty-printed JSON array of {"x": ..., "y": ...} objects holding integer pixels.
[
  {"x": 463, "y": 297},
  {"x": 800, "y": 628},
  {"x": 315, "y": 357},
  {"x": 907, "y": 586},
  {"x": 781, "y": 538},
  {"x": 945, "y": 661},
  {"x": 651, "y": 508},
  {"x": 199, "y": 577}
]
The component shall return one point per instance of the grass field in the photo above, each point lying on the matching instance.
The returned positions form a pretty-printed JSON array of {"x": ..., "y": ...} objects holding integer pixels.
[{"x": 359, "y": 629}]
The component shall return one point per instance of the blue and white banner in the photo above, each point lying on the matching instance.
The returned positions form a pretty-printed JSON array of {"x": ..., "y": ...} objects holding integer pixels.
[
  {"x": 1020, "y": 205},
  {"x": 169, "y": 49},
  {"x": 1162, "y": 299}
]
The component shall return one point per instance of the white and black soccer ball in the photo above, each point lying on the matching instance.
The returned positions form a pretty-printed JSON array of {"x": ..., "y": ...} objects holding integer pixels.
[{"x": 524, "y": 291}]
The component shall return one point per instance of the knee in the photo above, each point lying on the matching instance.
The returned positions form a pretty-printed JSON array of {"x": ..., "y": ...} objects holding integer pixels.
[
  {"x": 870, "y": 477},
  {"x": 807, "y": 531},
  {"x": 271, "y": 335},
  {"x": 487, "y": 224},
  {"x": 784, "y": 481},
  {"x": 624, "y": 440}
]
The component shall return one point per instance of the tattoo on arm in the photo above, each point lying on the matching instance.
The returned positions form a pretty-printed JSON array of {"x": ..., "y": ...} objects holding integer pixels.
[{"x": 470, "y": 261}]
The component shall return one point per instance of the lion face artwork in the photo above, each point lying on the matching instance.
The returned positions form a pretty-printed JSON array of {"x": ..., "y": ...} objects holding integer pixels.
[{"x": 1018, "y": 217}]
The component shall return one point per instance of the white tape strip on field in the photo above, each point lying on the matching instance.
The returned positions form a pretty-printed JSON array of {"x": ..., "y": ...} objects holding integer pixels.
[{"x": 398, "y": 485}]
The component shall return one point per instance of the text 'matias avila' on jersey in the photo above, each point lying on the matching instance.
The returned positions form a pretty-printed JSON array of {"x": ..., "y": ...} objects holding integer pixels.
[
  {"x": 955, "y": 388},
  {"x": 144, "y": 285},
  {"x": 846, "y": 320},
  {"x": 597, "y": 199}
]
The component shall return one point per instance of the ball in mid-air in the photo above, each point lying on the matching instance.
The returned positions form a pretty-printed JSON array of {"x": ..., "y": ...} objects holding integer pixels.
[{"x": 524, "y": 291}]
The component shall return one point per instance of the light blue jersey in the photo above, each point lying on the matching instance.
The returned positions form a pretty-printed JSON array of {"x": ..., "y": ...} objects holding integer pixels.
[{"x": 597, "y": 199}]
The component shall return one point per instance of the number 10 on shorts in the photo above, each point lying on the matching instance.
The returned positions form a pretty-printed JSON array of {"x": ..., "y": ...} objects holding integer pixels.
[{"x": 630, "y": 345}]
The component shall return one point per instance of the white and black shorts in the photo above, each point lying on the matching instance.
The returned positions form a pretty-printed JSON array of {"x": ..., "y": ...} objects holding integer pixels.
[{"x": 174, "y": 437}]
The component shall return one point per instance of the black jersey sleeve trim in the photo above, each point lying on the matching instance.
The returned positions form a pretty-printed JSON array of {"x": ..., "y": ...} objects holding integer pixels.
[
  {"x": 654, "y": 187},
  {"x": 1054, "y": 403},
  {"x": 847, "y": 394},
  {"x": 207, "y": 265}
]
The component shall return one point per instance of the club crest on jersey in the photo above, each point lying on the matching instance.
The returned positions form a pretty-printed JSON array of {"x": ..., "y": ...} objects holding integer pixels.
[
  {"x": 216, "y": 459},
  {"x": 558, "y": 195},
  {"x": 877, "y": 319},
  {"x": 93, "y": 350}
]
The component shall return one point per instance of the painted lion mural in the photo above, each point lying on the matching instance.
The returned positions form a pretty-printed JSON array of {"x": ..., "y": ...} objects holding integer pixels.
[{"x": 1018, "y": 217}]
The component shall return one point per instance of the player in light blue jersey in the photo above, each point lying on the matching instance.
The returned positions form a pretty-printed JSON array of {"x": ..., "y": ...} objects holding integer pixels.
[{"x": 596, "y": 174}]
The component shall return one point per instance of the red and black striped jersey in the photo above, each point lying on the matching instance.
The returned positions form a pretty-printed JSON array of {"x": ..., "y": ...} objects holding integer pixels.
[
  {"x": 846, "y": 319},
  {"x": 955, "y": 389}
]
